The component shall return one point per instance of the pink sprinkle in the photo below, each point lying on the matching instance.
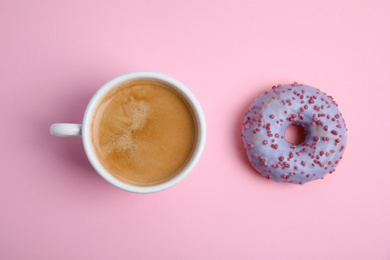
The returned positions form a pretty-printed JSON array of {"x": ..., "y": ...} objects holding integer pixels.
[{"x": 334, "y": 132}]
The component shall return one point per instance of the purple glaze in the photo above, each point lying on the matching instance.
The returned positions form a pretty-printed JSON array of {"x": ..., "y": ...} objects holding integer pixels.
[{"x": 264, "y": 128}]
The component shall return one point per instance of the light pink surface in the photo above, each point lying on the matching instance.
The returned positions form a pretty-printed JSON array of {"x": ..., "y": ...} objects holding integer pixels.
[{"x": 55, "y": 54}]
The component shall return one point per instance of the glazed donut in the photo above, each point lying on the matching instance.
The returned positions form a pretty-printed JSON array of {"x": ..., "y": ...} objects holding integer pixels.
[{"x": 265, "y": 125}]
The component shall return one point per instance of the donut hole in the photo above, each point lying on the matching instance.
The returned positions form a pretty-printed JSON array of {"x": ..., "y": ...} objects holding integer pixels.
[{"x": 295, "y": 134}]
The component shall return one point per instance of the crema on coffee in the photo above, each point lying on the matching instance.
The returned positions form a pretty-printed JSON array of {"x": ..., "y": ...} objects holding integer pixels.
[{"x": 143, "y": 132}]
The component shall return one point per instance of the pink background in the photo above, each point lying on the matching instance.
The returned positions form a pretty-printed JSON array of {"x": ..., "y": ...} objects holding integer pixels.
[{"x": 55, "y": 54}]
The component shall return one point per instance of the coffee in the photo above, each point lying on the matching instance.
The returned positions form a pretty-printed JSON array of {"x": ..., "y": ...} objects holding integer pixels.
[{"x": 143, "y": 132}]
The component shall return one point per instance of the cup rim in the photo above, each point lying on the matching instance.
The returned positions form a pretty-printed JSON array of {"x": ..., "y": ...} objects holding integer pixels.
[{"x": 88, "y": 116}]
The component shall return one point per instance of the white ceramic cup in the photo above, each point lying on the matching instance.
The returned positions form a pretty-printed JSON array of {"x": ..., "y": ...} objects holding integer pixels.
[{"x": 84, "y": 130}]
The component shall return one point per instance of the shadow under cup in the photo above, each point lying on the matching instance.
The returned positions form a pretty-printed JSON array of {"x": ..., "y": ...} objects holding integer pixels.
[{"x": 144, "y": 132}]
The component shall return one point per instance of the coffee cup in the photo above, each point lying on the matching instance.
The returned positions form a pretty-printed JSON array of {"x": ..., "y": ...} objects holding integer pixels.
[{"x": 142, "y": 131}]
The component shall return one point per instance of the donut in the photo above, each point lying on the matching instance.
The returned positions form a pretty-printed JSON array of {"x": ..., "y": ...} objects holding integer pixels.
[{"x": 265, "y": 124}]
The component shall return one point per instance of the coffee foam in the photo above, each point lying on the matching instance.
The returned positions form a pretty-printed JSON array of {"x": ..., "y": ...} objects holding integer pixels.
[{"x": 143, "y": 132}]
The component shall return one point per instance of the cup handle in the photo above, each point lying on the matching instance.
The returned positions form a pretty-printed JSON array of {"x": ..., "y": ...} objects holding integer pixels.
[{"x": 66, "y": 130}]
